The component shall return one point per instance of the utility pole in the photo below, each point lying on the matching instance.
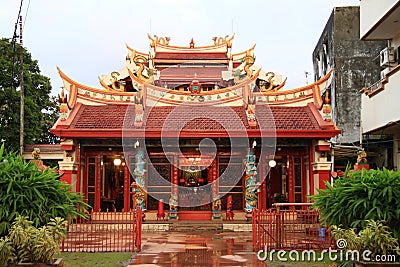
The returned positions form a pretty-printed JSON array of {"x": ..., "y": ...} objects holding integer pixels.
[{"x": 21, "y": 86}]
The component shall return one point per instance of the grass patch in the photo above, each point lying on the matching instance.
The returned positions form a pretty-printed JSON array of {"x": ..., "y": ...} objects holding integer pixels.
[{"x": 98, "y": 259}]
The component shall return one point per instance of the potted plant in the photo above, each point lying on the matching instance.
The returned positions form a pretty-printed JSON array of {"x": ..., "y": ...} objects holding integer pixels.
[
  {"x": 26, "y": 245},
  {"x": 371, "y": 243}
]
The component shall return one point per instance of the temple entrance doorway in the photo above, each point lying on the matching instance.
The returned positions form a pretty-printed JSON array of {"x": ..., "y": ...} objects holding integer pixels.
[
  {"x": 194, "y": 189},
  {"x": 112, "y": 183}
]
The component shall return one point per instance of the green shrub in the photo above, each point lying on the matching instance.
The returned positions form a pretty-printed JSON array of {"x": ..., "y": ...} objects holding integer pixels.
[
  {"x": 375, "y": 237},
  {"x": 35, "y": 193},
  {"x": 26, "y": 243},
  {"x": 359, "y": 196}
]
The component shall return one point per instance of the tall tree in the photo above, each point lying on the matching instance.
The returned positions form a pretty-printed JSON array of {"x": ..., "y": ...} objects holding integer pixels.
[{"x": 40, "y": 107}]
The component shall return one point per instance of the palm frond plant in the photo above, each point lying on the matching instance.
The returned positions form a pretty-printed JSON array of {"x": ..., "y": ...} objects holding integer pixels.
[{"x": 34, "y": 193}]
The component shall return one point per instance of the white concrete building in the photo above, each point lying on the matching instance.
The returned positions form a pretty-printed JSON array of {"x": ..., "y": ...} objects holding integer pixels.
[{"x": 380, "y": 111}]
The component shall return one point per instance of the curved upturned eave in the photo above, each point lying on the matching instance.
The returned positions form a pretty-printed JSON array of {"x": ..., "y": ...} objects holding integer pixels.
[
  {"x": 105, "y": 86},
  {"x": 146, "y": 55},
  {"x": 135, "y": 78},
  {"x": 199, "y": 49},
  {"x": 280, "y": 86},
  {"x": 76, "y": 85},
  {"x": 238, "y": 56},
  {"x": 299, "y": 89}
]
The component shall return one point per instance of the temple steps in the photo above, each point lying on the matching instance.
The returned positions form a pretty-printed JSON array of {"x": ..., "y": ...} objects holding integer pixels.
[{"x": 197, "y": 226}]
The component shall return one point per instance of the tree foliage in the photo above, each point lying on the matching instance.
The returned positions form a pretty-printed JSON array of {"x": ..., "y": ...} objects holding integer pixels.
[
  {"x": 359, "y": 196},
  {"x": 38, "y": 194},
  {"x": 40, "y": 110}
]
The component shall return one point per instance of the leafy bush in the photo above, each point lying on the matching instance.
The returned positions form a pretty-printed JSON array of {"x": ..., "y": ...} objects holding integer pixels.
[
  {"x": 375, "y": 237},
  {"x": 35, "y": 193},
  {"x": 26, "y": 243},
  {"x": 359, "y": 196}
]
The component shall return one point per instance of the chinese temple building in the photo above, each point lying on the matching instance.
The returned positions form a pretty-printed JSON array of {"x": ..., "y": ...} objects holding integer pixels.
[{"x": 194, "y": 126}]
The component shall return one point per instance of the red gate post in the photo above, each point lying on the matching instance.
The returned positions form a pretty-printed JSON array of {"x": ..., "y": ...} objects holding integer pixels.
[
  {"x": 138, "y": 239},
  {"x": 134, "y": 186},
  {"x": 254, "y": 225},
  {"x": 278, "y": 227}
]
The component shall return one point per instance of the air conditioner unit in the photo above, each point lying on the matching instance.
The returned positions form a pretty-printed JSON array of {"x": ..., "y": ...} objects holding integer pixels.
[
  {"x": 384, "y": 73},
  {"x": 387, "y": 57}
]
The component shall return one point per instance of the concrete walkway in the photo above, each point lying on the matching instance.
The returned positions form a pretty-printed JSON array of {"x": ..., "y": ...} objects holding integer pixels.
[{"x": 209, "y": 249}]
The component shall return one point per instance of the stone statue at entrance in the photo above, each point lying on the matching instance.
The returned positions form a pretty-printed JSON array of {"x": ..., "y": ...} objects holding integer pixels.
[
  {"x": 216, "y": 208},
  {"x": 173, "y": 207}
]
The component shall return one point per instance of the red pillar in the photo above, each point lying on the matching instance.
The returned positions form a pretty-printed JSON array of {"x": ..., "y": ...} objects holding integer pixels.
[
  {"x": 127, "y": 188},
  {"x": 263, "y": 188},
  {"x": 323, "y": 176},
  {"x": 174, "y": 189},
  {"x": 67, "y": 176},
  {"x": 213, "y": 178},
  {"x": 97, "y": 201},
  {"x": 291, "y": 180},
  {"x": 78, "y": 176},
  {"x": 311, "y": 159}
]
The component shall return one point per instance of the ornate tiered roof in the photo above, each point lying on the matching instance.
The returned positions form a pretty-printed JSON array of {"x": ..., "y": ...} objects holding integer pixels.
[{"x": 198, "y": 80}]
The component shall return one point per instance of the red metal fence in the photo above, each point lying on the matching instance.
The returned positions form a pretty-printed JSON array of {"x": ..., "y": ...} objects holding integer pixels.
[
  {"x": 105, "y": 231},
  {"x": 289, "y": 226}
]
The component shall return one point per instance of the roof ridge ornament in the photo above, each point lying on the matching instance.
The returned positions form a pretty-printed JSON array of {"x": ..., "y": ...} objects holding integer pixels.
[
  {"x": 158, "y": 40},
  {"x": 223, "y": 40}
]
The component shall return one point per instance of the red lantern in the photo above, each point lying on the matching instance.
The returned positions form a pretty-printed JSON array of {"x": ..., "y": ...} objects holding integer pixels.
[
  {"x": 201, "y": 180},
  {"x": 182, "y": 180}
]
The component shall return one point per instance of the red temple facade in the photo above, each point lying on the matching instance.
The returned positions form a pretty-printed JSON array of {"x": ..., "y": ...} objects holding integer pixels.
[{"x": 193, "y": 126}]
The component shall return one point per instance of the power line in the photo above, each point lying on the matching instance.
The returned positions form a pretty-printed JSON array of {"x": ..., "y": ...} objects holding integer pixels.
[
  {"x": 13, "y": 43},
  {"x": 26, "y": 13}
]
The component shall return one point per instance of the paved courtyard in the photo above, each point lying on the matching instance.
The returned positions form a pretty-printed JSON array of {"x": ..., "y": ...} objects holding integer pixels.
[{"x": 196, "y": 249}]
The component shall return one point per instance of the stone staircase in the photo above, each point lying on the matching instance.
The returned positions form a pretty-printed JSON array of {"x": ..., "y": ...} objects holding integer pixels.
[{"x": 195, "y": 227}]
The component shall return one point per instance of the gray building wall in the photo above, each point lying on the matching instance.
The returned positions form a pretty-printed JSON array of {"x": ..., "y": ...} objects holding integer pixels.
[{"x": 355, "y": 64}]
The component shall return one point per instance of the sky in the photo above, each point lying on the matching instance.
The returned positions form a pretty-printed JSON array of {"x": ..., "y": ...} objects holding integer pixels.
[{"x": 87, "y": 38}]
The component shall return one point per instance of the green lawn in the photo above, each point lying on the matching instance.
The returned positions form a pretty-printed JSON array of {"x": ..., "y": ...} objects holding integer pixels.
[{"x": 98, "y": 259}]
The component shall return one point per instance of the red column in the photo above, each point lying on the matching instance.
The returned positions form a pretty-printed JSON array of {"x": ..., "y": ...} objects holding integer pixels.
[
  {"x": 323, "y": 176},
  {"x": 311, "y": 159},
  {"x": 263, "y": 188},
  {"x": 127, "y": 188},
  {"x": 291, "y": 180},
  {"x": 78, "y": 176},
  {"x": 97, "y": 201},
  {"x": 174, "y": 189},
  {"x": 67, "y": 176},
  {"x": 213, "y": 175}
]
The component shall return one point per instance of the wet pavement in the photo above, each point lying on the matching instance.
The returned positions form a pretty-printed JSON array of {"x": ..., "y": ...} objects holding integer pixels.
[{"x": 209, "y": 249}]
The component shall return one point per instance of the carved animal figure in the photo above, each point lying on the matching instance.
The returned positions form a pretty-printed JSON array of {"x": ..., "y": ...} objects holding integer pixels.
[
  {"x": 271, "y": 83},
  {"x": 249, "y": 62},
  {"x": 221, "y": 40},
  {"x": 160, "y": 40},
  {"x": 138, "y": 60},
  {"x": 117, "y": 85}
]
